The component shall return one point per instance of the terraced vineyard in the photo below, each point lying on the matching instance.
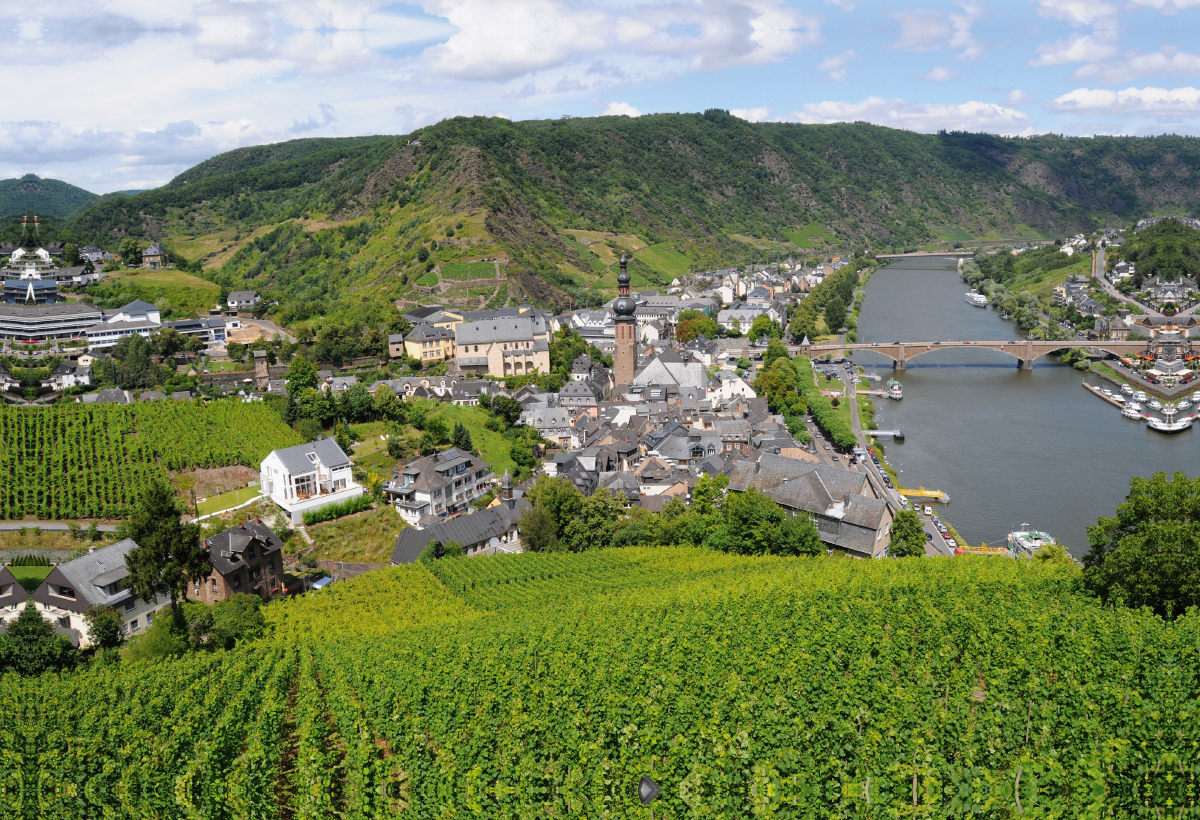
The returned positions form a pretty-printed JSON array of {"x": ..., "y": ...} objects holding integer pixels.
[
  {"x": 91, "y": 461},
  {"x": 546, "y": 686}
]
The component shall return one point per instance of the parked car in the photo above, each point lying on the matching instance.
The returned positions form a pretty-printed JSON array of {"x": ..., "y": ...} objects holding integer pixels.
[{"x": 928, "y": 510}]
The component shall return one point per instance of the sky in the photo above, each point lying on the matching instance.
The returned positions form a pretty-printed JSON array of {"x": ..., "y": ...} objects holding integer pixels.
[{"x": 125, "y": 94}]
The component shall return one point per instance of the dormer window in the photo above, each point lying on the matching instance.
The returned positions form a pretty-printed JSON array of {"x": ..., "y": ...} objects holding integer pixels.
[{"x": 312, "y": 457}]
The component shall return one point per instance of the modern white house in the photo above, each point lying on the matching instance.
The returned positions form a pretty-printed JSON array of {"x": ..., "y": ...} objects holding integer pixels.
[
  {"x": 243, "y": 299},
  {"x": 307, "y": 477},
  {"x": 99, "y": 578}
]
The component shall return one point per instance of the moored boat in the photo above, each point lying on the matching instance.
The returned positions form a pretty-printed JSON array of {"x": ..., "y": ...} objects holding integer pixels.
[
  {"x": 895, "y": 390},
  {"x": 1025, "y": 542},
  {"x": 977, "y": 299}
]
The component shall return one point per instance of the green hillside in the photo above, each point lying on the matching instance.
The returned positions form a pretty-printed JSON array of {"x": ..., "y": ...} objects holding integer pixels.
[
  {"x": 352, "y": 222},
  {"x": 45, "y": 197},
  {"x": 546, "y": 686}
]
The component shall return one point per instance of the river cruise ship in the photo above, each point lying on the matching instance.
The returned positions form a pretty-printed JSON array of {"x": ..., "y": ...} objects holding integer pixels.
[
  {"x": 895, "y": 390},
  {"x": 977, "y": 299},
  {"x": 1025, "y": 542}
]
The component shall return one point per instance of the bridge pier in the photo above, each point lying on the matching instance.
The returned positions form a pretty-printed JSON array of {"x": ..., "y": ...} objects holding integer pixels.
[
  {"x": 1025, "y": 364},
  {"x": 898, "y": 362}
]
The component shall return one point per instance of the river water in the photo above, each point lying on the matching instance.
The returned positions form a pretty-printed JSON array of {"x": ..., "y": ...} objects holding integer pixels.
[{"x": 1008, "y": 446}]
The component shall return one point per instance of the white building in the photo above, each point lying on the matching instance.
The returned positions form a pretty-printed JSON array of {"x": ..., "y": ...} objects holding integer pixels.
[
  {"x": 307, "y": 477},
  {"x": 243, "y": 299},
  {"x": 68, "y": 375}
]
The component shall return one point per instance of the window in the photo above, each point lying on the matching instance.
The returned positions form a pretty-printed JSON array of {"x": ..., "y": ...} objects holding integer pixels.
[
  {"x": 131, "y": 605},
  {"x": 66, "y": 592},
  {"x": 133, "y": 625},
  {"x": 149, "y": 618},
  {"x": 65, "y": 621},
  {"x": 237, "y": 582}
]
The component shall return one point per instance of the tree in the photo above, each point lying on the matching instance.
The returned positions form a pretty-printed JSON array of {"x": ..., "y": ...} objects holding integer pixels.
[
  {"x": 130, "y": 252},
  {"x": 168, "y": 554},
  {"x": 761, "y": 326},
  {"x": 1148, "y": 553},
  {"x": 775, "y": 350},
  {"x": 693, "y": 323},
  {"x": 104, "y": 627},
  {"x": 356, "y": 403},
  {"x": 593, "y": 527},
  {"x": 559, "y": 497},
  {"x": 301, "y": 373},
  {"x": 167, "y": 341},
  {"x": 835, "y": 314},
  {"x": 539, "y": 531},
  {"x": 507, "y": 408},
  {"x": 908, "y": 535},
  {"x": 71, "y": 254},
  {"x": 386, "y": 405},
  {"x": 309, "y": 429},
  {"x": 462, "y": 438},
  {"x": 30, "y": 646},
  {"x": 135, "y": 369}
]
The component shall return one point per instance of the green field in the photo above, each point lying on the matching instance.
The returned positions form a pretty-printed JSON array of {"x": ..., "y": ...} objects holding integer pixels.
[
  {"x": 225, "y": 501},
  {"x": 548, "y": 685},
  {"x": 369, "y": 536},
  {"x": 665, "y": 260},
  {"x": 1042, "y": 283},
  {"x": 463, "y": 271},
  {"x": 809, "y": 236},
  {"x": 171, "y": 290},
  {"x": 428, "y": 280},
  {"x": 30, "y": 577}
]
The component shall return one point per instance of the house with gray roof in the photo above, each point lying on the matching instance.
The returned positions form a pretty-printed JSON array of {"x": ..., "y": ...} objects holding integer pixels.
[
  {"x": 487, "y": 532},
  {"x": 99, "y": 578},
  {"x": 307, "y": 477},
  {"x": 842, "y": 503},
  {"x": 438, "y": 485},
  {"x": 243, "y": 299},
  {"x": 553, "y": 423},
  {"x": 246, "y": 559}
]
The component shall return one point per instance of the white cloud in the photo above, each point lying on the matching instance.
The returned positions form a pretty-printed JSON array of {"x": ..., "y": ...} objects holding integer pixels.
[
  {"x": 836, "y": 65},
  {"x": 620, "y": 109},
  {"x": 940, "y": 74},
  {"x": 1133, "y": 64},
  {"x": 1016, "y": 97},
  {"x": 1082, "y": 48},
  {"x": 1077, "y": 12},
  {"x": 503, "y": 41},
  {"x": 1153, "y": 101},
  {"x": 844, "y": 5},
  {"x": 914, "y": 116},
  {"x": 751, "y": 114},
  {"x": 926, "y": 30}
]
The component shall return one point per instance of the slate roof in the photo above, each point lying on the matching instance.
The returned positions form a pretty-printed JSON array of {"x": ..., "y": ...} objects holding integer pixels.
[
  {"x": 295, "y": 459},
  {"x": 428, "y": 333},
  {"x": 466, "y": 530},
  {"x": 225, "y": 549},
  {"x": 105, "y": 565},
  {"x": 242, "y": 296},
  {"x": 516, "y": 329}
]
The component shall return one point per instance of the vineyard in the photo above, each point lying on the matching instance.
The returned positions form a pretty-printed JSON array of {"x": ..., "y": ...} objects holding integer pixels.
[
  {"x": 91, "y": 461},
  {"x": 546, "y": 686}
]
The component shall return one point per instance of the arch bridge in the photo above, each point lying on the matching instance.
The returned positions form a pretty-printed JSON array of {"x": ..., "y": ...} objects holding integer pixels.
[{"x": 1024, "y": 351}]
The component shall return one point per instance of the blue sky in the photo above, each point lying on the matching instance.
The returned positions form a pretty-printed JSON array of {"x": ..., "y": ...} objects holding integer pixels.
[{"x": 127, "y": 93}]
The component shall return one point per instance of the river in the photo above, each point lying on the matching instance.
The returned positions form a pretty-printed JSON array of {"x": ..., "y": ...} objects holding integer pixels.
[{"x": 1008, "y": 446}]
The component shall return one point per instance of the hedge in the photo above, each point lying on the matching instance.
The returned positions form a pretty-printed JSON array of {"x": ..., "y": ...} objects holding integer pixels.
[
  {"x": 354, "y": 505},
  {"x": 821, "y": 408}
]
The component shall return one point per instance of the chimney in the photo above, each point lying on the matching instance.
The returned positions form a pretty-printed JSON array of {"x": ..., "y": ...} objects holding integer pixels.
[
  {"x": 256, "y": 520},
  {"x": 846, "y": 500}
]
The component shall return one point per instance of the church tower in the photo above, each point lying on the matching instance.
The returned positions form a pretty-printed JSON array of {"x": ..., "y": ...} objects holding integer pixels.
[{"x": 625, "y": 357}]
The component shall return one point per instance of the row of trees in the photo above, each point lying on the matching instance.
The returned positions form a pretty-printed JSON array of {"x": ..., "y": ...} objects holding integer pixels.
[
  {"x": 563, "y": 518},
  {"x": 827, "y": 300}
]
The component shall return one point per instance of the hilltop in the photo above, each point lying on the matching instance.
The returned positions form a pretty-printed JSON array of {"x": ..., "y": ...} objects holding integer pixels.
[
  {"x": 45, "y": 197},
  {"x": 327, "y": 225}
]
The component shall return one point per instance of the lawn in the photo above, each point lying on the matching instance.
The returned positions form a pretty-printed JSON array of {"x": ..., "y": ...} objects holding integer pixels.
[
  {"x": 30, "y": 577},
  {"x": 182, "y": 291},
  {"x": 664, "y": 259},
  {"x": 1042, "y": 283},
  {"x": 808, "y": 236},
  {"x": 368, "y": 536},
  {"x": 225, "y": 501}
]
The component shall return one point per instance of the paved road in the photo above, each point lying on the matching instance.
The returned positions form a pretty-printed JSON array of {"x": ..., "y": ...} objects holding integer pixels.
[{"x": 48, "y": 526}]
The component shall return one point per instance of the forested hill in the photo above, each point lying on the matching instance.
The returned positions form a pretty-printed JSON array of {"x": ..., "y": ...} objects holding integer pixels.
[
  {"x": 558, "y": 199},
  {"x": 45, "y": 197}
]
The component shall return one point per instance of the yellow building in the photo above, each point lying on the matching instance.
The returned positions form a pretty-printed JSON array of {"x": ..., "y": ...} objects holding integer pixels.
[{"x": 429, "y": 343}]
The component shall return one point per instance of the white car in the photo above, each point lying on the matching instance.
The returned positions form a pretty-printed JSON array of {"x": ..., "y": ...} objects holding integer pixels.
[
  {"x": 950, "y": 542},
  {"x": 928, "y": 510}
]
